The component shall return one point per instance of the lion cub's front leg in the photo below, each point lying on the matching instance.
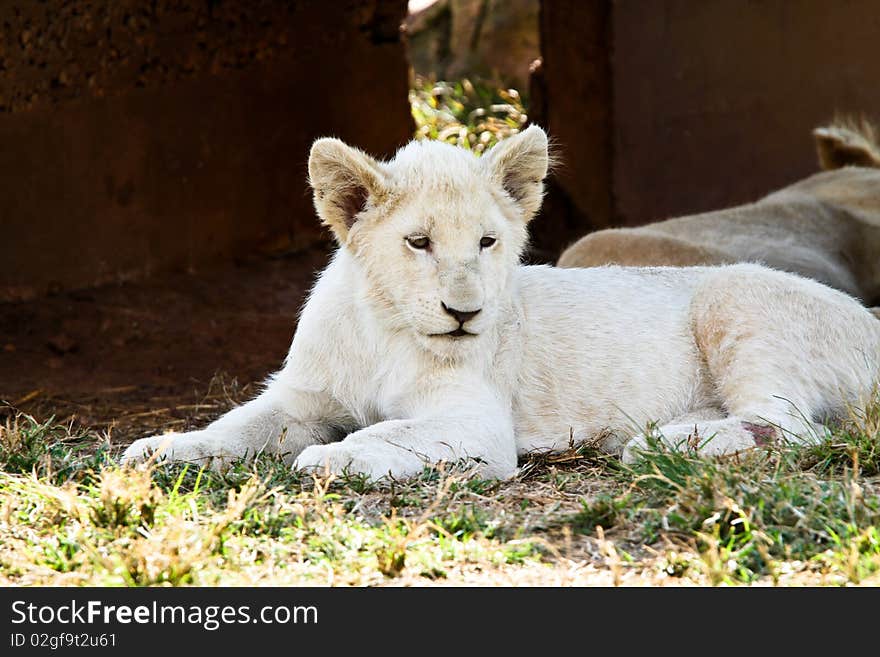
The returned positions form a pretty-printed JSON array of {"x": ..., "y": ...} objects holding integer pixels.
[
  {"x": 279, "y": 421},
  {"x": 402, "y": 448}
]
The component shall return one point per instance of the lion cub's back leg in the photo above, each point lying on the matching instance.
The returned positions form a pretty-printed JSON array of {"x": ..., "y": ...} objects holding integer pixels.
[{"x": 782, "y": 353}]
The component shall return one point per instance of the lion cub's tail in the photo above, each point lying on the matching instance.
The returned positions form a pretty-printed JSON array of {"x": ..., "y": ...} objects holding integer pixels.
[{"x": 847, "y": 142}]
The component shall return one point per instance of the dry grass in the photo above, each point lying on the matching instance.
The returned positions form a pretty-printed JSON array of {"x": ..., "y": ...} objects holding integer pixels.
[{"x": 69, "y": 515}]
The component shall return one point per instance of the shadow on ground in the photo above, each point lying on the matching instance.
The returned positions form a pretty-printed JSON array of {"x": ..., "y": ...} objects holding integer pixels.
[{"x": 158, "y": 354}]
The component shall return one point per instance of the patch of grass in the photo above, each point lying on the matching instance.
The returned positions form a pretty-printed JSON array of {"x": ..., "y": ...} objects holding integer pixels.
[
  {"x": 70, "y": 515},
  {"x": 747, "y": 512},
  {"x": 49, "y": 449},
  {"x": 465, "y": 523},
  {"x": 24, "y": 443},
  {"x": 604, "y": 511},
  {"x": 854, "y": 445},
  {"x": 470, "y": 114},
  {"x": 259, "y": 522},
  {"x": 857, "y": 556}
]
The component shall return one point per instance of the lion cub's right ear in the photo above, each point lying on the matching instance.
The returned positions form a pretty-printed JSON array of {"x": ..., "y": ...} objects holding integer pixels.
[{"x": 344, "y": 181}]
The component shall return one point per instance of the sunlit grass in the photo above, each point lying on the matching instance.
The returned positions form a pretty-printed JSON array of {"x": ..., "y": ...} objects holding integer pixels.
[
  {"x": 102, "y": 524},
  {"x": 466, "y": 113},
  {"x": 70, "y": 515},
  {"x": 752, "y": 515}
]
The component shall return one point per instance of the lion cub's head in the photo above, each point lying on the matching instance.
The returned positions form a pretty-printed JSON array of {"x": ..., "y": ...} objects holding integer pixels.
[{"x": 437, "y": 231}]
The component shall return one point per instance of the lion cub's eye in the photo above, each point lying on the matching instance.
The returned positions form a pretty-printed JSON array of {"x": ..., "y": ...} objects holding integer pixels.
[
  {"x": 418, "y": 242},
  {"x": 487, "y": 241}
]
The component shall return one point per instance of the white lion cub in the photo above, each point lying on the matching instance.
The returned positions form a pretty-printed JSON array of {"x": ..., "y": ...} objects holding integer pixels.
[{"x": 425, "y": 340}]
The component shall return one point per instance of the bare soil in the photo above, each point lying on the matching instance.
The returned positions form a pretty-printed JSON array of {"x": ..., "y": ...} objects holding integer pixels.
[{"x": 167, "y": 351}]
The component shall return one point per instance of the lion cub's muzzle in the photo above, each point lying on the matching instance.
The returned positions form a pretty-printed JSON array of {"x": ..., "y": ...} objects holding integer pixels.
[{"x": 462, "y": 317}]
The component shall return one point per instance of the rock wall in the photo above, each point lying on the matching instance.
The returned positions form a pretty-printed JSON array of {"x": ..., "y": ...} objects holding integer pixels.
[
  {"x": 494, "y": 39},
  {"x": 674, "y": 107},
  {"x": 140, "y": 137}
]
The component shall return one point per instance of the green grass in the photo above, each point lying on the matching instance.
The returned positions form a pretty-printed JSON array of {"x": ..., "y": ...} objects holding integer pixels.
[
  {"x": 470, "y": 114},
  {"x": 749, "y": 514},
  {"x": 69, "y": 515}
]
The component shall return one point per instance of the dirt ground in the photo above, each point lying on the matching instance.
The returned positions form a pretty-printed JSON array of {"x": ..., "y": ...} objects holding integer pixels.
[{"x": 167, "y": 351}]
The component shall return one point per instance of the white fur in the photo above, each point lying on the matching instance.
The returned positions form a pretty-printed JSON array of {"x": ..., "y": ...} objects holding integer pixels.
[{"x": 369, "y": 387}]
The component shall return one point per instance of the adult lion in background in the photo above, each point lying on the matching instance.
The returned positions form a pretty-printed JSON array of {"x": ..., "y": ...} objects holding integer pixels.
[
  {"x": 826, "y": 227},
  {"x": 424, "y": 340}
]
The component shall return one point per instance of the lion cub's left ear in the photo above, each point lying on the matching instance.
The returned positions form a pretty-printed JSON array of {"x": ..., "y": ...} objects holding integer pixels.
[
  {"x": 345, "y": 181},
  {"x": 520, "y": 164}
]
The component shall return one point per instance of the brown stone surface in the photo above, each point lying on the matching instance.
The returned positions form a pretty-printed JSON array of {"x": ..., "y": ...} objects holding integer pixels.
[
  {"x": 706, "y": 104},
  {"x": 496, "y": 39},
  {"x": 142, "y": 137}
]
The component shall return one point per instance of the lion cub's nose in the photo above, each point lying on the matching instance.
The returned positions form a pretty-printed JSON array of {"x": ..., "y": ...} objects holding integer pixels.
[{"x": 461, "y": 315}]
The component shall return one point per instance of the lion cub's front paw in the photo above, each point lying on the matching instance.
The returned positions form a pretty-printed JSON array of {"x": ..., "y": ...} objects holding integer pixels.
[
  {"x": 374, "y": 460},
  {"x": 711, "y": 438},
  {"x": 141, "y": 450},
  {"x": 199, "y": 447}
]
